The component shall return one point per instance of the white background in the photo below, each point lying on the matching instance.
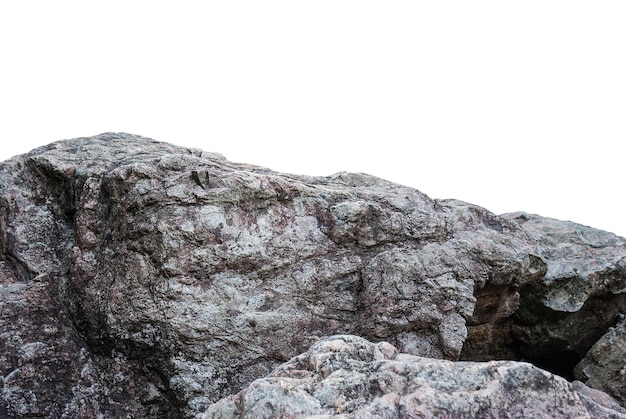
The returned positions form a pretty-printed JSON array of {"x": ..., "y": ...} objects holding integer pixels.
[{"x": 508, "y": 105}]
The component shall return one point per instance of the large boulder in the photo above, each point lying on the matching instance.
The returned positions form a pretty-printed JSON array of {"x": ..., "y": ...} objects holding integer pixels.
[
  {"x": 349, "y": 377},
  {"x": 142, "y": 279}
]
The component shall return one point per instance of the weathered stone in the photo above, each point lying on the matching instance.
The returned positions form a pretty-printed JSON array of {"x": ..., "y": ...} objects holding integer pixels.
[
  {"x": 148, "y": 280},
  {"x": 598, "y": 403},
  {"x": 349, "y": 377},
  {"x": 604, "y": 366},
  {"x": 582, "y": 294}
]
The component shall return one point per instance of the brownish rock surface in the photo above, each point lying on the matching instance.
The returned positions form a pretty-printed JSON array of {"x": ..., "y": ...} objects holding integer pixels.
[{"x": 142, "y": 279}]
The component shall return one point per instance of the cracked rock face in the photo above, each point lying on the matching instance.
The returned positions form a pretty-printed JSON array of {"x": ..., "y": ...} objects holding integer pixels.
[{"x": 144, "y": 279}]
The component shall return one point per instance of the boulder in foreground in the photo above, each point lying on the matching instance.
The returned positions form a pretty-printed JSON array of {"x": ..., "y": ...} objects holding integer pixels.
[{"x": 349, "y": 377}]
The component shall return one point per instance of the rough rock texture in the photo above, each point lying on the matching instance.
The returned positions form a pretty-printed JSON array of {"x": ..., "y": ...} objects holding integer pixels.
[
  {"x": 349, "y": 377},
  {"x": 581, "y": 296},
  {"x": 604, "y": 366},
  {"x": 142, "y": 279}
]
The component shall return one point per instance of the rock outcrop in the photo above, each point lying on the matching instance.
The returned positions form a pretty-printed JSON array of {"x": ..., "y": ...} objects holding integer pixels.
[{"x": 143, "y": 279}]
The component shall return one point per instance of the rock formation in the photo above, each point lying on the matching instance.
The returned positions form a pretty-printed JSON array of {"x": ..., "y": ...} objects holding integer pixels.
[
  {"x": 348, "y": 376},
  {"x": 143, "y": 279},
  {"x": 604, "y": 366}
]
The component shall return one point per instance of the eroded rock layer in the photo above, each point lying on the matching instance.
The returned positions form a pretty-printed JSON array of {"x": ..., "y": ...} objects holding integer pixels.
[{"x": 144, "y": 279}]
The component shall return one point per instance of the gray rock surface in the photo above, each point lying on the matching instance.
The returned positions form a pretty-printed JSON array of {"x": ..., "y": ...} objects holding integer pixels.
[
  {"x": 142, "y": 279},
  {"x": 604, "y": 366},
  {"x": 581, "y": 296},
  {"x": 349, "y": 377}
]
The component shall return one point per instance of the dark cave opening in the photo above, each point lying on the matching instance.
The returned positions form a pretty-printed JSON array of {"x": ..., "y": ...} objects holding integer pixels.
[
  {"x": 558, "y": 362},
  {"x": 494, "y": 341}
]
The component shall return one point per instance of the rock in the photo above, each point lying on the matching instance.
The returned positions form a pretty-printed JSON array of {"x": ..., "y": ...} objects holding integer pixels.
[
  {"x": 604, "y": 366},
  {"x": 142, "y": 279},
  {"x": 582, "y": 294},
  {"x": 46, "y": 367},
  {"x": 349, "y": 377},
  {"x": 598, "y": 403}
]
